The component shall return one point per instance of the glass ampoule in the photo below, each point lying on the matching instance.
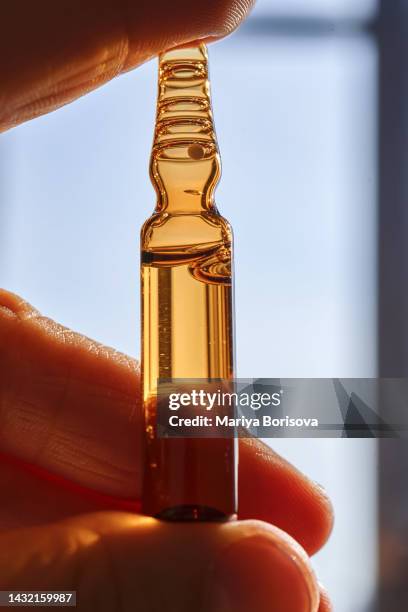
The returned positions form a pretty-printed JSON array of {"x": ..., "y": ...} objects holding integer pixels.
[{"x": 187, "y": 294}]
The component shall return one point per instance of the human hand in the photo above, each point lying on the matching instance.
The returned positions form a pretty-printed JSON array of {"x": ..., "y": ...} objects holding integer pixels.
[
  {"x": 71, "y": 477},
  {"x": 53, "y": 51},
  {"x": 69, "y": 423}
]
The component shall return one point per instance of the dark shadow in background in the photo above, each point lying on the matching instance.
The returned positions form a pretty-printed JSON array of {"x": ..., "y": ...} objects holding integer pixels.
[{"x": 392, "y": 33}]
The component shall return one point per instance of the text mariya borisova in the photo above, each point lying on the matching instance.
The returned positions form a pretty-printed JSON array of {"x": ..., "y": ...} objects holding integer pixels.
[{"x": 232, "y": 422}]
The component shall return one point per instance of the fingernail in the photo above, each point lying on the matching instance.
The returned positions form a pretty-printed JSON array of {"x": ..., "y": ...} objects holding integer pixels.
[
  {"x": 325, "y": 603},
  {"x": 256, "y": 574},
  {"x": 321, "y": 488}
]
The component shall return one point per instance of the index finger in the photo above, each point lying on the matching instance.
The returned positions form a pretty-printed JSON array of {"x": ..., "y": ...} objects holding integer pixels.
[
  {"x": 70, "y": 406},
  {"x": 53, "y": 52}
]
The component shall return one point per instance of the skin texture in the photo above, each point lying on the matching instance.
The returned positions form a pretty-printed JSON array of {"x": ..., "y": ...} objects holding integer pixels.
[
  {"x": 52, "y": 52},
  {"x": 70, "y": 418},
  {"x": 70, "y": 413}
]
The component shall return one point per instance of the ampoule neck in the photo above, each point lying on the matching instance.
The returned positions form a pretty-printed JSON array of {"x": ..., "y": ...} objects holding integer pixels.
[{"x": 185, "y": 164}]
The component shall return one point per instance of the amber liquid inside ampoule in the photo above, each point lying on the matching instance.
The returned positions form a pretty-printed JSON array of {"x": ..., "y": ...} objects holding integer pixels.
[{"x": 187, "y": 294}]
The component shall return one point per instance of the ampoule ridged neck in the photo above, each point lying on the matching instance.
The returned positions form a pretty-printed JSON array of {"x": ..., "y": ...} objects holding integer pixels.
[{"x": 185, "y": 159}]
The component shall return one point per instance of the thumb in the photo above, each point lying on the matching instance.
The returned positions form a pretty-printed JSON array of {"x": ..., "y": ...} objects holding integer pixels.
[
  {"x": 53, "y": 52},
  {"x": 118, "y": 561}
]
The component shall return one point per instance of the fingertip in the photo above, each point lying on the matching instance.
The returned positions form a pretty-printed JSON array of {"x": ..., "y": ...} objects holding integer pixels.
[
  {"x": 62, "y": 50},
  {"x": 325, "y": 604},
  {"x": 273, "y": 490},
  {"x": 264, "y": 567},
  {"x": 325, "y": 509},
  {"x": 13, "y": 305},
  {"x": 179, "y": 24},
  {"x": 236, "y": 566},
  {"x": 226, "y": 15}
]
